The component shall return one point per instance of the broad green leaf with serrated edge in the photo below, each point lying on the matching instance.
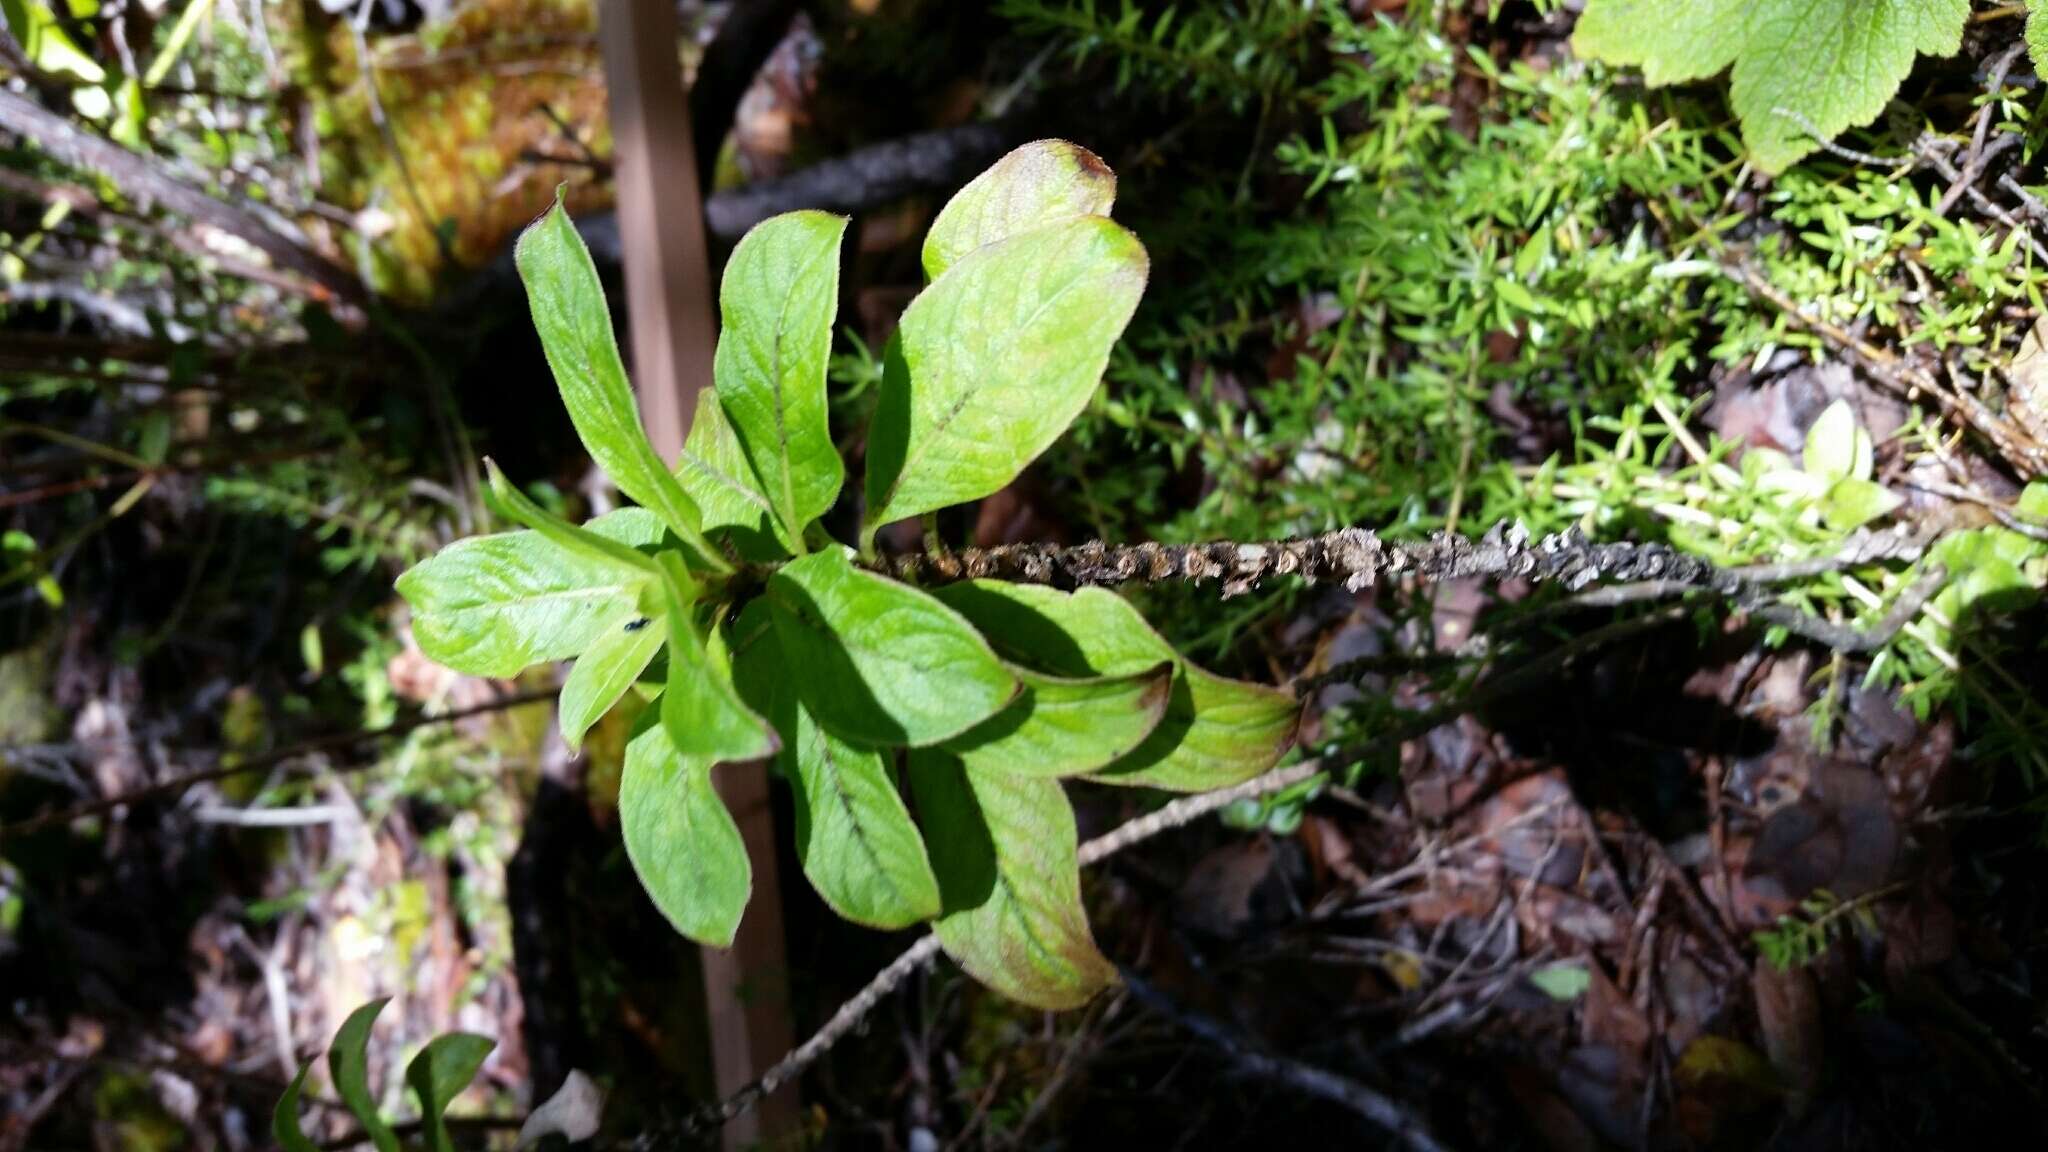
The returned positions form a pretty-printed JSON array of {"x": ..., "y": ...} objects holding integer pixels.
[
  {"x": 1215, "y": 732},
  {"x": 1038, "y": 183},
  {"x": 700, "y": 708},
  {"x": 603, "y": 673},
  {"x": 439, "y": 1074},
  {"x": 994, "y": 359},
  {"x": 880, "y": 662},
  {"x": 1836, "y": 63},
  {"x": 575, "y": 326},
  {"x": 715, "y": 472},
  {"x": 683, "y": 842},
  {"x": 854, "y": 836},
  {"x": 777, "y": 300},
  {"x": 496, "y": 605},
  {"x": 348, "y": 1062},
  {"x": 284, "y": 1119},
  {"x": 1673, "y": 42},
  {"x": 1063, "y": 727},
  {"x": 1010, "y": 881}
]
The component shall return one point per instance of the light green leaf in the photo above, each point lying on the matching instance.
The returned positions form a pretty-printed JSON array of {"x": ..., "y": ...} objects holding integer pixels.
[
  {"x": 575, "y": 329},
  {"x": 44, "y": 42},
  {"x": 882, "y": 663},
  {"x": 778, "y": 298},
  {"x": 439, "y": 1074},
  {"x": 855, "y": 838},
  {"x": 1043, "y": 181},
  {"x": 1215, "y": 732},
  {"x": 683, "y": 842},
  {"x": 517, "y": 507},
  {"x": 1852, "y": 503},
  {"x": 606, "y": 669},
  {"x": 348, "y": 1061},
  {"x": 1834, "y": 62},
  {"x": 1004, "y": 848},
  {"x": 1062, "y": 727},
  {"x": 715, "y": 472},
  {"x": 1836, "y": 446},
  {"x": 1565, "y": 980},
  {"x": 994, "y": 359},
  {"x": 496, "y": 605},
  {"x": 700, "y": 708},
  {"x": 2037, "y": 35},
  {"x": 1673, "y": 42},
  {"x": 284, "y": 1119}
]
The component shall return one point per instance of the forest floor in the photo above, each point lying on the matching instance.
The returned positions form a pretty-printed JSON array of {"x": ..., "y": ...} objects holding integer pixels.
[{"x": 1659, "y": 871}]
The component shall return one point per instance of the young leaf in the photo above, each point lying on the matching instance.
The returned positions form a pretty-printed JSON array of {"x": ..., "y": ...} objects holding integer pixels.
[
  {"x": 1062, "y": 727},
  {"x": 855, "y": 838},
  {"x": 284, "y": 1119},
  {"x": 1215, "y": 731},
  {"x": 575, "y": 329},
  {"x": 1837, "y": 446},
  {"x": 439, "y": 1074},
  {"x": 715, "y": 472},
  {"x": 496, "y": 605},
  {"x": 1010, "y": 882},
  {"x": 882, "y": 663},
  {"x": 607, "y": 668},
  {"x": 1043, "y": 181},
  {"x": 1836, "y": 63},
  {"x": 682, "y": 840},
  {"x": 1851, "y": 503},
  {"x": 348, "y": 1062},
  {"x": 777, "y": 300},
  {"x": 703, "y": 713},
  {"x": 516, "y": 507},
  {"x": 994, "y": 360}
]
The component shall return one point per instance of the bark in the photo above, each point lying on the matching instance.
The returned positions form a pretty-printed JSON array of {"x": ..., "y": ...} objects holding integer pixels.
[{"x": 867, "y": 177}]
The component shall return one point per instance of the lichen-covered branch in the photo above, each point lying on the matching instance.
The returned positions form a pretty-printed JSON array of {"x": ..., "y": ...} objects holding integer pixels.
[{"x": 1354, "y": 557}]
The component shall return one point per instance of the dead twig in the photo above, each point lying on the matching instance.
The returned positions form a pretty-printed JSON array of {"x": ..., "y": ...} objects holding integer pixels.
[
  {"x": 338, "y": 742},
  {"x": 1372, "y": 1105}
]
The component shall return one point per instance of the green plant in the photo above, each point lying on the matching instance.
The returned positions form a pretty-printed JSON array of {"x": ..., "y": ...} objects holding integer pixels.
[
  {"x": 1798, "y": 941},
  {"x": 1832, "y": 64},
  {"x": 436, "y": 1076},
  {"x": 764, "y": 638}
]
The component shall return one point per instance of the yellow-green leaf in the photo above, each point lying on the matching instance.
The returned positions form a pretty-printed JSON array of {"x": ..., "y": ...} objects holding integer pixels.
[
  {"x": 1010, "y": 880},
  {"x": 575, "y": 326},
  {"x": 681, "y": 839},
  {"x": 777, "y": 299},
  {"x": 1043, "y": 181},
  {"x": 994, "y": 359},
  {"x": 1215, "y": 731},
  {"x": 879, "y": 662},
  {"x": 1068, "y": 727}
]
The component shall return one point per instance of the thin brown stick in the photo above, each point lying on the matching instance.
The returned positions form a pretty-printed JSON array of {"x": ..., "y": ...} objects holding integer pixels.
[
  {"x": 339, "y": 741},
  {"x": 1374, "y": 1106}
]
